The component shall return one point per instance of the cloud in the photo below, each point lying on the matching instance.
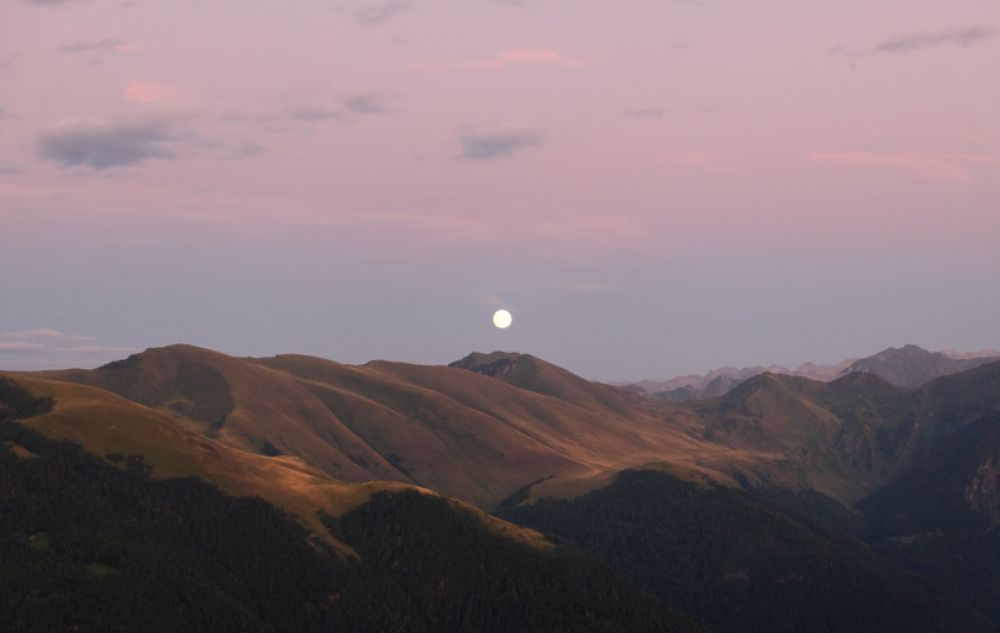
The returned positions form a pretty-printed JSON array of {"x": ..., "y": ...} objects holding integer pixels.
[
  {"x": 315, "y": 114},
  {"x": 957, "y": 37},
  {"x": 366, "y": 104},
  {"x": 846, "y": 51},
  {"x": 152, "y": 92},
  {"x": 97, "y": 349},
  {"x": 646, "y": 113},
  {"x": 277, "y": 121},
  {"x": 95, "y": 46},
  {"x": 7, "y": 347},
  {"x": 382, "y": 12},
  {"x": 42, "y": 333},
  {"x": 504, "y": 59},
  {"x": 489, "y": 143},
  {"x": 232, "y": 148},
  {"x": 111, "y": 142},
  {"x": 949, "y": 167},
  {"x": 46, "y": 349}
]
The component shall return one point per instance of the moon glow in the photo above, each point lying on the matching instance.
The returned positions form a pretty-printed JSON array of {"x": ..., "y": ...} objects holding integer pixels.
[{"x": 502, "y": 319}]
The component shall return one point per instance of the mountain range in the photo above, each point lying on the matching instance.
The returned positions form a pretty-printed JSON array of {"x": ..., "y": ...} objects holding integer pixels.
[
  {"x": 699, "y": 511},
  {"x": 908, "y": 366}
]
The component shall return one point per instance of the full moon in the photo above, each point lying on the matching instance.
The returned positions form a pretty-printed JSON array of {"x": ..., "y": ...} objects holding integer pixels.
[{"x": 502, "y": 319}]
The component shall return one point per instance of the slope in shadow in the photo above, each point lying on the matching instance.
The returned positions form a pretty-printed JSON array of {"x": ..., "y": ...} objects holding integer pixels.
[{"x": 739, "y": 564}]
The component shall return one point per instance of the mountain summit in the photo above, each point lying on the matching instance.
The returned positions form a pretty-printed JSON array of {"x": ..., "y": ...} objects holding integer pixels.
[{"x": 912, "y": 366}]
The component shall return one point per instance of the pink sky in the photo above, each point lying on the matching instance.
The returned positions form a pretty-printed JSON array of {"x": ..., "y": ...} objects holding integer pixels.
[{"x": 735, "y": 182}]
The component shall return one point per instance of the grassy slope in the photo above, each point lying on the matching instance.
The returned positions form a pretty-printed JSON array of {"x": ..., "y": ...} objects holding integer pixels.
[
  {"x": 463, "y": 434},
  {"x": 482, "y": 438},
  {"x": 567, "y": 441},
  {"x": 104, "y": 423}
]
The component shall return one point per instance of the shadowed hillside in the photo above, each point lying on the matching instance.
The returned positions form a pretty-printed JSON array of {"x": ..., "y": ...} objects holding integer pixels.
[
  {"x": 741, "y": 565},
  {"x": 850, "y": 436},
  {"x": 942, "y": 517}
]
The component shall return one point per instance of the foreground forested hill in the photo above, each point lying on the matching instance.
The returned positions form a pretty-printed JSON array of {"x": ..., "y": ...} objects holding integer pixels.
[{"x": 88, "y": 546}]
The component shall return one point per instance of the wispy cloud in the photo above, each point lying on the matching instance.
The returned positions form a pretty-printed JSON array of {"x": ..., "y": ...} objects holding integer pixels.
[
  {"x": 489, "y": 143},
  {"x": 382, "y": 12},
  {"x": 314, "y": 114},
  {"x": 372, "y": 103},
  {"x": 49, "y": 349},
  {"x": 936, "y": 166},
  {"x": 645, "y": 113},
  {"x": 18, "y": 346},
  {"x": 43, "y": 333},
  {"x": 963, "y": 37},
  {"x": 956, "y": 37},
  {"x": 345, "y": 111},
  {"x": 111, "y": 142},
  {"x": 230, "y": 148},
  {"x": 153, "y": 92},
  {"x": 505, "y": 59},
  {"x": 95, "y": 46}
]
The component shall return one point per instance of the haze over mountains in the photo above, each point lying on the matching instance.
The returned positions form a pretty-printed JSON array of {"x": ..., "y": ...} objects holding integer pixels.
[
  {"x": 807, "y": 465},
  {"x": 908, "y": 366}
]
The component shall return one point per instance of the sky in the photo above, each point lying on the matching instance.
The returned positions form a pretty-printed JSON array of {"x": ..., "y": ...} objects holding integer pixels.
[{"x": 651, "y": 187}]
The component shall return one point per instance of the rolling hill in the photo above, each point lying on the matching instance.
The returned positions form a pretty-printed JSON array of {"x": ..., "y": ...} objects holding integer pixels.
[
  {"x": 459, "y": 432},
  {"x": 116, "y": 429},
  {"x": 514, "y": 434},
  {"x": 491, "y": 425}
]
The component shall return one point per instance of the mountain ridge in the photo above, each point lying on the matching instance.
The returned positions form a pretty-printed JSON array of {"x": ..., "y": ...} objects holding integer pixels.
[
  {"x": 909, "y": 366},
  {"x": 508, "y": 431},
  {"x": 491, "y": 424}
]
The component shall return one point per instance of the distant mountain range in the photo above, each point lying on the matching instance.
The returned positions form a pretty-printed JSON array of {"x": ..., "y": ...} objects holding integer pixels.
[
  {"x": 909, "y": 366},
  {"x": 766, "y": 507}
]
